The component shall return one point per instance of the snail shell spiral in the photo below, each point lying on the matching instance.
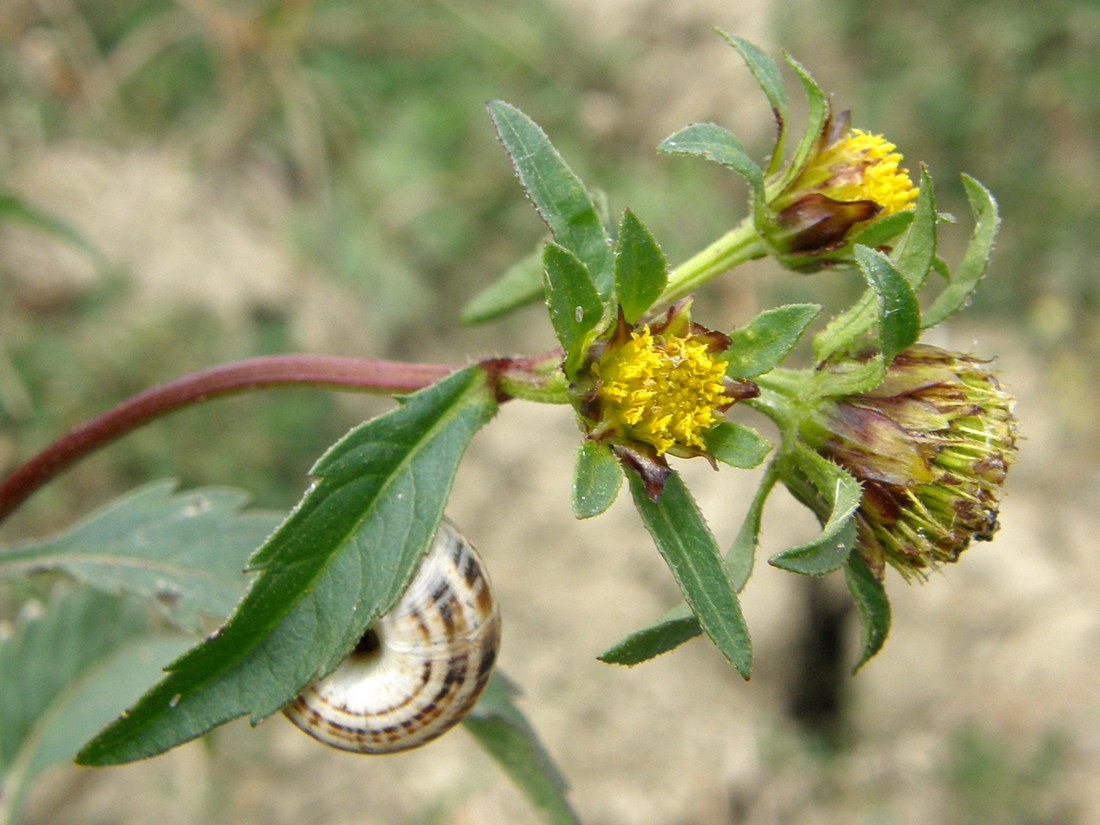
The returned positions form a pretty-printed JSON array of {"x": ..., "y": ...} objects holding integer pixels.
[{"x": 419, "y": 669}]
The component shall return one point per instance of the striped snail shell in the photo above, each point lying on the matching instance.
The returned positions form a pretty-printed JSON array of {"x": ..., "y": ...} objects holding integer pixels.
[{"x": 419, "y": 669}]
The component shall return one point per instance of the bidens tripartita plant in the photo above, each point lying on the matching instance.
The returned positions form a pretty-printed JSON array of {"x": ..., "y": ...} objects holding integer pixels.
[{"x": 370, "y": 621}]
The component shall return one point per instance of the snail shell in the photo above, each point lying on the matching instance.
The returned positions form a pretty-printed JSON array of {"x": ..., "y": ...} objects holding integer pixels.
[{"x": 419, "y": 669}]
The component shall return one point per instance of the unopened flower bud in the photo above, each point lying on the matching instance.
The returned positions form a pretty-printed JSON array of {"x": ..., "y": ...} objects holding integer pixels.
[{"x": 931, "y": 447}]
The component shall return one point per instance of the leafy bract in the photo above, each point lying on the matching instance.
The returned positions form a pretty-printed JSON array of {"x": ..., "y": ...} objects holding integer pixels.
[
  {"x": 964, "y": 281},
  {"x": 714, "y": 143},
  {"x": 575, "y": 307},
  {"x": 183, "y": 553},
  {"x": 817, "y": 110},
  {"x": 597, "y": 477},
  {"x": 767, "y": 339},
  {"x": 871, "y": 604},
  {"x": 737, "y": 445},
  {"x": 506, "y": 735},
  {"x": 341, "y": 558},
  {"x": 899, "y": 314},
  {"x": 812, "y": 477},
  {"x": 679, "y": 625},
  {"x": 766, "y": 72},
  {"x": 66, "y": 672},
  {"x": 557, "y": 193},
  {"x": 689, "y": 549},
  {"x": 641, "y": 270}
]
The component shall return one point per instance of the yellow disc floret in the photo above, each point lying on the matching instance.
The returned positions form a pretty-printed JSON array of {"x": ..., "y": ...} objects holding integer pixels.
[
  {"x": 664, "y": 390},
  {"x": 862, "y": 166}
]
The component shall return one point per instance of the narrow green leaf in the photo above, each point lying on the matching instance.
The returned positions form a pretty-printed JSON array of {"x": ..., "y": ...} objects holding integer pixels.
[
  {"x": 671, "y": 631},
  {"x": 597, "y": 477},
  {"x": 914, "y": 258},
  {"x": 575, "y": 307},
  {"x": 767, "y": 339},
  {"x": 641, "y": 270},
  {"x": 689, "y": 549},
  {"x": 742, "y": 553},
  {"x": 817, "y": 110},
  {"x": 847, "y": 327},
  {"x": 680, "y": 625},
  {"x": 976, "y": 258},
  {"x": 871, "y": 604},
  {"x": 64, "y": 674},
  {"x": 841, "y": 494},
  {"x": 18, "y": 209},
  {"x": 714, "y": 143},
  {"x": 899, "y": 313},
  {"x": 766, "y": 72},
  {"x": 506, "y": 735},
  {"x": 737, "y": 445},
  {"x": 341, "y": 558},
  {"x": 520, "y": 285},
  {"x": 558, "y": 194},
  {"x": 917, "y": 250},
  {"x": 183, "y": 553}
]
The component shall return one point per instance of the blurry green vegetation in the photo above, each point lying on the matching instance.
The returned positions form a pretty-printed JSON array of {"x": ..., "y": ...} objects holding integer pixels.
[
  {"x": 989, "y": 780},
  {"x": 1005, "y": 91}
]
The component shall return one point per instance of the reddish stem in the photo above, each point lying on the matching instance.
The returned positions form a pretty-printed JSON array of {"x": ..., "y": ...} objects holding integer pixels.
[{"x": 333, "y": 372}]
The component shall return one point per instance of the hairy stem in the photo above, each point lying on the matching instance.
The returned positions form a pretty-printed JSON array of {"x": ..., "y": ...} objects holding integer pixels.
[{"x": 331, "y": 372}]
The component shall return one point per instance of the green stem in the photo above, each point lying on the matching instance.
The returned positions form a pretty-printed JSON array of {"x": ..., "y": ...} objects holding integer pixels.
[{"x": 740, "y": 244}]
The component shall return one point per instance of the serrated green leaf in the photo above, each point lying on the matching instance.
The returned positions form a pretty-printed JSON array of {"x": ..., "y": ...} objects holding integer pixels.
[
  {"x": 817, "y": 110},
  {"x": 841, "y": 494},
  {"x": 558, "y": 194},
  {"x": 597, "y": 477},
  {"x": 871, "y": 604},
  {"x": 341, "y": 558},
  {"x": 691, "y": 553},
  {"x": 714, "y": 143},
  {"x": 987, "y": 221},
  {"x": 737, "y": 445},
  {"x": 520, "y": 285},
  {"x": 183, "y": 553},
  {"x": 767, "y": 339},
  {"x": 575, "y": 307},
  {"x": 63, "y": 675},
  {"x": 669, "y": 632},
  {"x": 917, "y": 249},
  {"x": 641, "y": 270},
  {"x": 899, "y": 313},
  {"x": 506, "y": 735}
]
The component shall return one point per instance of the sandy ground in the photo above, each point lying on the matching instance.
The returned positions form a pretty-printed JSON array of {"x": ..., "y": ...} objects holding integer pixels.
[{"x": 1006, "y": 643}]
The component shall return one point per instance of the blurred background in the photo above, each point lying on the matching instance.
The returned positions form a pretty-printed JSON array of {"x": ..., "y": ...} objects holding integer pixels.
[{"x": 262, "y": 177}]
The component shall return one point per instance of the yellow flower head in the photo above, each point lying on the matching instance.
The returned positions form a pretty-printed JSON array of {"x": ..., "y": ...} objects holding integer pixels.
[
  {"x": 861, "y": 167},
  {"x": 657, "y": 389},
  {"x": 665, "y": 390},
  {"x": 847, "y": 180}
]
